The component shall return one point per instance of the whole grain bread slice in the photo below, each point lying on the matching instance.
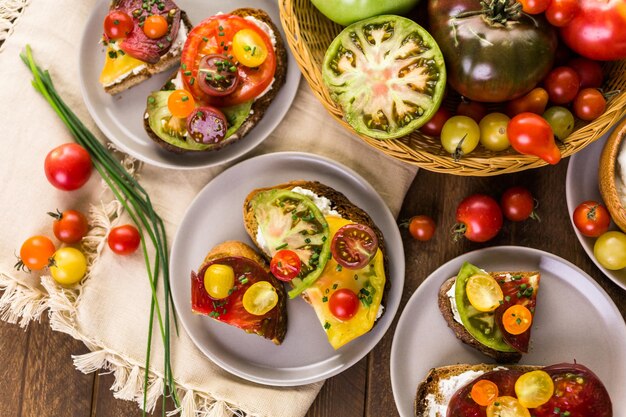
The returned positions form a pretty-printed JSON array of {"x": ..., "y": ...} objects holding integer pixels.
[
  {"x": 429, "y": 391},
  {"x": 260, "y": 105},
  {"x": 167, "y": 61}
]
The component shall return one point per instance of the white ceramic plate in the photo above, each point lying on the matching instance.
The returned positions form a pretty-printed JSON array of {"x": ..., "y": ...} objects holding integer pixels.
[
  {"x": 120, "y": 117},
  {"x": 216, "y": 215},
  {"x": 575, "y": 321},
  {"x": 581, "y": 185}
]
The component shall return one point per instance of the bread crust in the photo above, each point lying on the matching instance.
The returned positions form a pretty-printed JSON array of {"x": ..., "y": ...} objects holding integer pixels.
[
  {"x": 166, "y": 62},
  {"x": 259, "y": 107}
]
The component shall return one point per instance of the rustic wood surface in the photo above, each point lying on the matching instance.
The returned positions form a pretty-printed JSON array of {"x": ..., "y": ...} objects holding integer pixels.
[{"x": 37, "y": 377}]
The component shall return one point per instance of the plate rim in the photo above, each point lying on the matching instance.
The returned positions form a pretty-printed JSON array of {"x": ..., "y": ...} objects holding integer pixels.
[
  {"x": 392, "y": 306},
  {"x": 289, "y": 94},
  {"x": 416, "y": 295}
]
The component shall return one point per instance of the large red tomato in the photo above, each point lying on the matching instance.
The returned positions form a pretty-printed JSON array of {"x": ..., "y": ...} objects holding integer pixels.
[{"x": 598, "y": 31}]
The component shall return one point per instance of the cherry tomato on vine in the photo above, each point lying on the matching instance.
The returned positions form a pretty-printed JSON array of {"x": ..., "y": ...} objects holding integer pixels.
[
  {"x": 421, "y": 227},
  {"x": 473, "y": 109},
  {"x": 561, "y": 12},
  {"x": 35, "y": 253},
  {"x": 591, "y": 218},
  {"x": 534, "y": 6},
  {"x": 285, "y": 265},
  {"x": 435, "y": 124},
  {"x": 532, "y": 135},
  {"x": 562, "y": 84},
  {"x": 70, "y": 226},
  {"x": 517, "y": 204},
  {"x": 493, "y": 134},
  {"x": 589, "y": 104},
  {"x": 124, "y": 239},
  {"x": 343, "y": 304},
  {"x": 589, "y": 71},
  {"x": 479, "y": 218},
  {"x": 68, "y": 266},
  {"x": 68, "y": 166},
  {"x": 155, "y": 26},
  {"x": 118, "y": 25}
]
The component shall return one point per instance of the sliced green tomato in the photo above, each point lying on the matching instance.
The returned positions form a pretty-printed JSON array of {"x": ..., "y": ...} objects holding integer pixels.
[
  {"x": 173, "y": 131},
  {"x": 289, "y": 220},
  {"x": 387, "y": 74},
  {"x": 480, "y": 324}
]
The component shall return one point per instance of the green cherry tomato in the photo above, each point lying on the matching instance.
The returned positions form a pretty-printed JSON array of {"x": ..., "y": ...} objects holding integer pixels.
[
  {"x": 346, "y": 12},
  {"x": 610, "y": 250},
  {"x": 460, "y": 135},
  {"x": 561, "y": 120},
  {"x": 493, "y": 132},
  {"x": 69, "y": 266}
]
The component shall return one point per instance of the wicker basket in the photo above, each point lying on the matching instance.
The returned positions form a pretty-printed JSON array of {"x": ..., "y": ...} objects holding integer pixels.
[{"x": 309, "y": 33}]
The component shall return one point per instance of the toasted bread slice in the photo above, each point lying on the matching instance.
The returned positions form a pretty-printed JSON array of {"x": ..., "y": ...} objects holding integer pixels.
[
  {"x": 272, "y": 325},
  {"x": 167, "y": 61},
  {"x": 436, "y": 390},
  {"x": 259, "y": 107}
]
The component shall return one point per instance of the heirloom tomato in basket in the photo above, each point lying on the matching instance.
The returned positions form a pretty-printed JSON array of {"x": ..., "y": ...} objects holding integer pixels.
[
  {"x": 387, "y": 74},
  {"x": 493, "y": 51},
  {"x": 346, "y": 12}
]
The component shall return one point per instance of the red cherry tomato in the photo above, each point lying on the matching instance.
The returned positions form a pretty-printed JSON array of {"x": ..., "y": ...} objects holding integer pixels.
[
  {"x": 561, "y": 12},
  {"x": 473, "y": 109},
  {"x": 530, "y": 134},
  {"x": 562, "y": 84},
  {"x": 285, "y": 265},
  {"x": 155, "y": 26},
  {"x": 36, "y": 252},
  {"x": 590, "y": 72},
  {"x": 479, "y": 218},
  {"x": 517, "y": 204},
  {"x": 354, "y": 245},
  {"x": 589, "y": 104},
  {"x": 591, "y": 218},
  {"x": 534, "y": 6},
  {"x": 435, "y": 124},
  {"x": 70, "y": 226},
  {"x": 124, "y": 239},
  {"x": 68, "y": 167},
  {"x": 118, "y": 24},
  {"x": 421, "y": 227},
  {"x": 343, "y": 304}
]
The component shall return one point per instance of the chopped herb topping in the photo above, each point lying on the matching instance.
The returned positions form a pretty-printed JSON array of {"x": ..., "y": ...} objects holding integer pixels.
[
  {"x": 507, "y": 298},
  {"x": 191, "y": 81},
  {"x": 338, "y": 268},
  {"x": 335, "y": 286},
  {"x": 116, "y": 22},
  {"x": 246, "y": 48},
  {"x": 283, "y": 246},
  {"x": 205, "y": 39},
  {"x": 183, "y": 66},
  {"x": 151, "y": 99},
  {"x": 184, "y": 98},
  {"x": 243, "y": 279},
  {"x": 187, "y": 73},
  {"x": 324, "y": 299},
  {"x": 327, "y": 325}
]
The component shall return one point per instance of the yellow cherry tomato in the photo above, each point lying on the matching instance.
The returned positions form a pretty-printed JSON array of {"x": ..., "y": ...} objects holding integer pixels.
[
  {"x": 249, "y": 48},
  {"x": 181, "y": 103},
  {"x": 507, "y": 407},
  {"x": 534, "y": 388},
  {"x": 69, "y": 266},
  {"x": 483, "y": 292},
  {"x": 260, "y": 298},
  {"x": 155, "y": 26},
  {"x": 219, "y": 280},
  {"x": 484, "y": 392},
  {"x": 517, "y": 319}
]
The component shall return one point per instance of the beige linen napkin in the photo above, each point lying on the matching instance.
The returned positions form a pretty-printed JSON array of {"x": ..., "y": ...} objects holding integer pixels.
[{"x": 109, "y": 310}]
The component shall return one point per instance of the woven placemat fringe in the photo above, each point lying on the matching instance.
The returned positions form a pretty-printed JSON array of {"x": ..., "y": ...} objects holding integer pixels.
[{"x": 19, "y": 302}]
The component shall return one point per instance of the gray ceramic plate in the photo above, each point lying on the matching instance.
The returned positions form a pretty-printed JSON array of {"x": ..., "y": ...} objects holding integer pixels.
[
  {"x": 575, "y": 321},
  {"x": 216, "y": 215},
  {"x": 120, "y": 117},
  {"x": 581, "y": 185}
]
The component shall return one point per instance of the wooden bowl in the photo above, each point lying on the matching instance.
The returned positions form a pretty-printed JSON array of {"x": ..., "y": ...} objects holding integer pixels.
[
  {"x": 608, "y": 175},
  {"x": 309, "y": 33}
]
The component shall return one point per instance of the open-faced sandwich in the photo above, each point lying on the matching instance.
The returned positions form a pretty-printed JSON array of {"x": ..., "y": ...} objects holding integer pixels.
[
  {"x": 328, "y": 249},
  {"x": 492, "y": 312},
  {"x": 142, "y": 38},
  {"x": 562, "y": 390},
  {"x": 232, "y": 67},
  {"x": 234, "y": 286}
]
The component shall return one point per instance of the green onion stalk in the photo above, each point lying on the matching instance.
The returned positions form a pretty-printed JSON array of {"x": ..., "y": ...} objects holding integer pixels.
[{"x": 136, "y": 202}]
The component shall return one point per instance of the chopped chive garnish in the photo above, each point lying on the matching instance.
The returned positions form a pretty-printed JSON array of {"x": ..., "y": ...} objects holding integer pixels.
[
  {"x": 338, "y": 268},
  {"x": 283, "y": 246},
  {"x": 112, "y": 54},
  {"x": 191, "y": 81},
  {"x": 151, "y": 99},
  {"x": 327, "y": 325},
  {"x": 184, "y": 98},
  {"x": 335, "y": 286},
  {"x": 204, "y": 38},
  {"x": 183, "y": 66},
  {"x": 324, "y": 299},
  {"x": 246, "y": 48},
  {"x": 116, "y": 22},
  {"x": 187, "y": 73}
]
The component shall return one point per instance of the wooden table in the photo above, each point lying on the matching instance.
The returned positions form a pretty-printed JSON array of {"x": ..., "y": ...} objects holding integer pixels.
[{"x": 37, "y": 377}]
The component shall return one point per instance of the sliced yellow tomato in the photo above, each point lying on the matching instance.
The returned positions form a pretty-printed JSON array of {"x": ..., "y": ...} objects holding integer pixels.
[
  {"x": 483, "y": 292},
  {"x": 507, "y": 407},
  {"x": 534, "y": 388},
  {"x": 260, "y": 298},
  {"x": 249, "y": 48},
  {"x": 116, "y": 65},
  {"x": 219, "y": 280}
]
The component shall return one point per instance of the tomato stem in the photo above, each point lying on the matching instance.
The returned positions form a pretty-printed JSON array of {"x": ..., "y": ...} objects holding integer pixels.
[
  {"x": 58, "y": 215},
  {"x": 458, "y": 230}
]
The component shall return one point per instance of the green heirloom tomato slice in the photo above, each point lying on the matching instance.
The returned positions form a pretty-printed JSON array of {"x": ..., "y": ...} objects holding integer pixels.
[{"x": 387, "y": 74}]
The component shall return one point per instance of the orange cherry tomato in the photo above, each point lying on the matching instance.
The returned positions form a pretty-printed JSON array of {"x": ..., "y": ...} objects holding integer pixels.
[
  {"x": 36, "y": 252},
  {"x": 155, "y": 26},
  {"x": 533, "y": 102},
  {"x": 517, "y": 319},
  {"x": 484, "y": 392},
  {"x": 181, "y": 103}
]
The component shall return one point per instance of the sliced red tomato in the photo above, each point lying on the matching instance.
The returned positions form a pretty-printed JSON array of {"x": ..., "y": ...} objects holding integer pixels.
[
  {"x": 285, "y": 265},
  {"x": 215, "y": 36},
  {"x": 354, "y": 245}
]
